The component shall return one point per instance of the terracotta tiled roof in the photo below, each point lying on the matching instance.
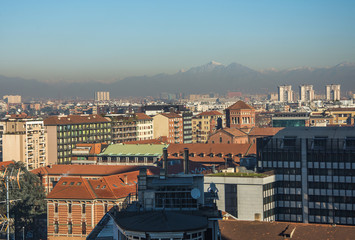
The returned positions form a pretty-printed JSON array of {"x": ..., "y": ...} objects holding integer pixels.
[
  {"x": 207, "y": 148},
  {"x": 171, "y": 115},
  {"x": 266, "y": 131},
  {"x": 84, "y": 170},
  {"x": 5, "y": 164},
  {"x": 240, "y": 105},
  {"x": 234, "y": 132},
  {"x": 111, "y": 187},
  {"x": 276, "y": 230},
  {"x": 95, "y": 148},
  {"x": 210, "y": 113},
  {"x": 143, "y": 116},
  {"x": 74, "y": 119}
]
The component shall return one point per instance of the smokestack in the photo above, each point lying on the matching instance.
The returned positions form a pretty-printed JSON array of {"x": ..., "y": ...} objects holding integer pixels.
[
  {"x": 186, "y": 160},
  {"x": 165, "y": 161}
]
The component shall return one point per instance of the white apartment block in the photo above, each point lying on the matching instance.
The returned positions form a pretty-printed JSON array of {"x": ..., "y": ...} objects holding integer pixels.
[
  {"x": 24, "y": 140},
  {"x": 332, "y": 92},
  {"x": 144, "y": 127},
  {"x": 306, "y": 93},
  {"x": 285, "y": 93},
  {"x": 102, "y": 96}
]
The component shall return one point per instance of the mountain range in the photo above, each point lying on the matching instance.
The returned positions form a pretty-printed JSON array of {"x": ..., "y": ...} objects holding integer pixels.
[{"x": 211, "y": 77}]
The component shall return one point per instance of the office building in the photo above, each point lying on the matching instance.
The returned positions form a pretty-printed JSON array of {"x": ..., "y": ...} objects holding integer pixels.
[
  {"x": 247, "y": 196},
  {"x": 64, "y": 132},
  {"x": 290, "y": 119},
  {"x": 285, "y": 93},
  {"x": 306, "y": 93},
  {"x": 332, "y": 92},
  {"x": 315, "y": 173}
]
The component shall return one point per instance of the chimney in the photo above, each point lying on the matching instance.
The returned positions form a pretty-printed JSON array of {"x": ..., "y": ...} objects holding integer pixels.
[
  {"x": 165, "y": 161},
  {"x": 125, "y": 179},
  {"x": 186, "y": 160}
]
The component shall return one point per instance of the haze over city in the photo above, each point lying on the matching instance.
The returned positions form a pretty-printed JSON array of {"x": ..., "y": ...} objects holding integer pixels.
[{"x": 111, "y": 40}]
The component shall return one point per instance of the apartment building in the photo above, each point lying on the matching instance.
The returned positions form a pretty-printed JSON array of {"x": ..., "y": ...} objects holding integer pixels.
[
  {"x": 332, "y": 92},
  {"x": 102, "y": 96},
  {"x": 285, "y": 93},
  {"x": 315, "y": 169},
  {"x": 144, "y": 127},
  {"x": 187, "y": 126},
  {"x": 340, "y": 116},
  {"x": 124, "y": 127},
  {"x": 204, "y": 124},
  {"x": 240, "y": 115},
  {"x": 306, "y": 93},
  {"x": 64, "y": 132},
  {"x": 24, "y": 140},
  {"x": 169, "y": 125}
]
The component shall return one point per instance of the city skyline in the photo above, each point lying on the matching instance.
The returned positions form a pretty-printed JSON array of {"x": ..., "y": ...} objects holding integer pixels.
[{"x": 92, "y": 41}]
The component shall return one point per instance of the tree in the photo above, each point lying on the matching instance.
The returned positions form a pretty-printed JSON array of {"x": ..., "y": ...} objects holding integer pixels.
[{"x": 28, "y": 206}]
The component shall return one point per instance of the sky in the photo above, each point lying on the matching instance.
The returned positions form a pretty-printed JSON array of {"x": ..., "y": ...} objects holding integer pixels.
[{"x": 106, "y": 40}]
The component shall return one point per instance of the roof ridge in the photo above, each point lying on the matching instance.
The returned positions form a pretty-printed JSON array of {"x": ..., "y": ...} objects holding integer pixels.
[{"x": 92, "y": 192}]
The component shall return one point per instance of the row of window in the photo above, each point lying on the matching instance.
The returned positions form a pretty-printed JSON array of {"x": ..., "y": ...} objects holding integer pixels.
[
  {"x": 70, "y": 227},
  {"x": 82, "y": 126}
]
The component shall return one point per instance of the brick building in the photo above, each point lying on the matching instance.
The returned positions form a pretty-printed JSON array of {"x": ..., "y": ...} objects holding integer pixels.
[
  {"x": 204, "y": 124},
  {"x": 240, "y": 115},
  {"x": 76, "y": 205}
]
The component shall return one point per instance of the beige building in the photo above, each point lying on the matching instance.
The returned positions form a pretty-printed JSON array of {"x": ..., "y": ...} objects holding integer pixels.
[
  {"x": 332, "y": 92},
  {"x": 12, "y": 99},
  {"x": 169, "y": 125},
  {"x": 102, "y": 96},
  {"x": 24, "y": 140},
  {"x": 285, "y": 93},
  {"x": 204, "y": 124},
  {"x": 306, "y": 93}
]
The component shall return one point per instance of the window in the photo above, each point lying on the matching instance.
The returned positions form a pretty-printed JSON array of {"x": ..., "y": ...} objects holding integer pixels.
[
  {"x": 289, "y": 142},
  {"x": 70, "y": 228},
  {"x": 56, "y": 207},
  {"x": 56, "y": 227},
  {"x": 319, "y": 143},
  {"x": 83, "y": 209},
  {"x": 69, "y": 208},
  {"x": 106, "y": 207},
  {"x": 350, "y": 143},
  {"x": 83, "y": 228},
  {"x": 220, "y": 139}
]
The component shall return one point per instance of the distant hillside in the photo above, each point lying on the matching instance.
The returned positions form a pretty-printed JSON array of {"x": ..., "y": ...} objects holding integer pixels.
[{"x": 211, "y": 77}]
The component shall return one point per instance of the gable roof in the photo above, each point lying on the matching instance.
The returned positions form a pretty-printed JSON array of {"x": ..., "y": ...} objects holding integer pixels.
[
  {"x": 265, "y": 131},
  {"x": 111, "y": 187},
  {"x": 210, "y": 113},
  {"x": 143, "y": 116},
  {"x": 171, "y": 115},
  {"x": 84, "y": 170},
  {"x": 276, "y": 230},
  {"x": 239, "y": 105},
  {"x": 234, "y": 132},
  {"x": 74, "y": 119}
]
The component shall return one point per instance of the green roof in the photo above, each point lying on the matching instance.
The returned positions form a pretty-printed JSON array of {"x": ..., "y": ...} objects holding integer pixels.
[{"x": 135, "y": 149}]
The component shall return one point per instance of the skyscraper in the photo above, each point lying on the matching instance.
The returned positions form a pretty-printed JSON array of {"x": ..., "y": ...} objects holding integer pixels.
[
  {"x": 306, "y": 93},
  {"x": 332, "y": 92},
  {"x": 102, "y": 96},
  {"x": 285, "y": 93}
]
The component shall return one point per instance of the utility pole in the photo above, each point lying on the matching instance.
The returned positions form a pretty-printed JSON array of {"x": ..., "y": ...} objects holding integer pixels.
[{"x": 8, "y": 207}]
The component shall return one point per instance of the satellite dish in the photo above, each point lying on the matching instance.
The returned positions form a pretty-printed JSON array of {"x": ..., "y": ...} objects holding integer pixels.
[{"x": 195, "y": 193}]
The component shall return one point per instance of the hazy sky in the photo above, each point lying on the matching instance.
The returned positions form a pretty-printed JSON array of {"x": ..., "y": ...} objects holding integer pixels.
[{"x": 105, "y": 40}]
